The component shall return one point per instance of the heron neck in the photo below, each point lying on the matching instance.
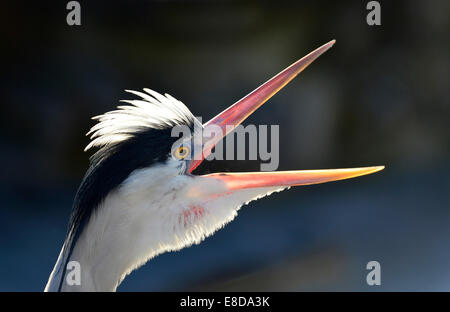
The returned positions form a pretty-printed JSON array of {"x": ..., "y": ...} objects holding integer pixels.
[
  {"x": 86, "y": 272},
  {"x": 104, "y": 252}
]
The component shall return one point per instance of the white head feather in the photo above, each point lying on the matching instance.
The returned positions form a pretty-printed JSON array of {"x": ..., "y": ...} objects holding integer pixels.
[{"x": 153, "y": 110}]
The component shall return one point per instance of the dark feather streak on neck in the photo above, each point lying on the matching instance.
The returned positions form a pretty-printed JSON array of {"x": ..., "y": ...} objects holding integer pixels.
[{"x": 109, "y": 167}]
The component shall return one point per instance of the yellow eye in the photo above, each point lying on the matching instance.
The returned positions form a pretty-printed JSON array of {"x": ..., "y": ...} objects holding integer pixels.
[{"x": 181, "y": 152}]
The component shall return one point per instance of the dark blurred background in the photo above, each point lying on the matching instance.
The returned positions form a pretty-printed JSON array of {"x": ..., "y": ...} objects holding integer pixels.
[{"x": 380, "y": 96}]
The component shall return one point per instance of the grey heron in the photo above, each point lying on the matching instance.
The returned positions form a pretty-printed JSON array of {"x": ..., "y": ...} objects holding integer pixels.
[{"x": 139, "y": 197}]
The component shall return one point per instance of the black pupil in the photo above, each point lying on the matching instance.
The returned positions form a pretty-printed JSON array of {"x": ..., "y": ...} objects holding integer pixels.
[{"x": 182, "y": 151}]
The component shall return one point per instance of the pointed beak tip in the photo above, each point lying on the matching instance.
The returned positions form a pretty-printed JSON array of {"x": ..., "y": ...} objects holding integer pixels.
[
  {"x": 364, "y": 171},
  {"x": 378, "y": 168},
  {"x": 327, "y": 45}
]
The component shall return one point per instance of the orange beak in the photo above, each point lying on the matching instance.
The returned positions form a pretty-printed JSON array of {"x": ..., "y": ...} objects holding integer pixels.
[
  {"x": 239, "y": 111},
  {"x": 245, "y": 180}
]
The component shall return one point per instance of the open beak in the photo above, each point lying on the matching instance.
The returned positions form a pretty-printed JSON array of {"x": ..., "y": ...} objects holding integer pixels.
[{"x": 239, "y": 111}]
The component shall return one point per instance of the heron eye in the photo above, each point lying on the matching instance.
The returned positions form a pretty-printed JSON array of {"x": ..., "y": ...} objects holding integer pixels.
[{"x": 181, "y": 152}]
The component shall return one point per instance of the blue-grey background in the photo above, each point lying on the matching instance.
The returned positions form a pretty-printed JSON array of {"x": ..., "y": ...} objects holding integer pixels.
[{"x": 380, "y": 96}]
